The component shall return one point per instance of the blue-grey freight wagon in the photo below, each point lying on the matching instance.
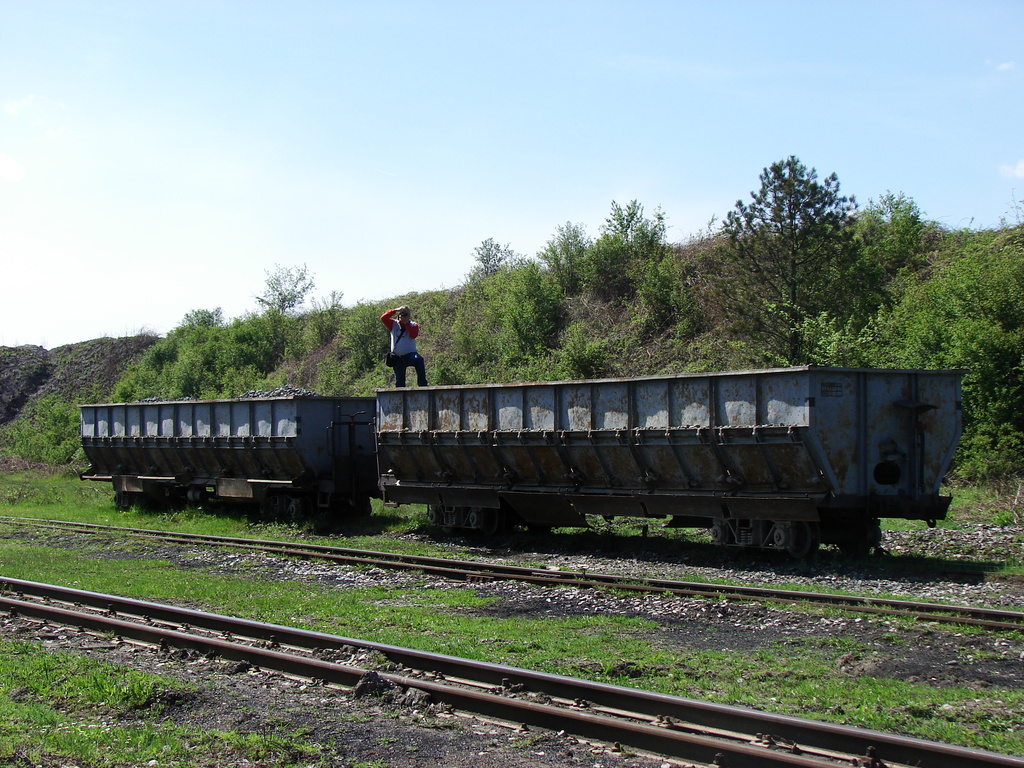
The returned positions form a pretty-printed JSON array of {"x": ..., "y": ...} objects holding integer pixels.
[
  {"x": 775, "y": 459},
  {"x": 292, "y": 455}
]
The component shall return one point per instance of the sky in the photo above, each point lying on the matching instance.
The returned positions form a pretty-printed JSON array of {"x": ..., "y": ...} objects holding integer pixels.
[{"x": 163, "y": 156}]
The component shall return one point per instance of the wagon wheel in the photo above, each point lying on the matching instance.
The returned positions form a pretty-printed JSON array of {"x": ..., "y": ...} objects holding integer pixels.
[
  {"x": 360, "y": 507},
  {"x": 719, "y": 533},
  {"x": 799, "y": 538},
  {"x": 298, "y": 508},
  {"x": 126, "y": 499},
  {"x": 804, "y": 539},
  {"x": 865, "y": 538},
  {"x": 274, "y": 506},
  {"x": 490, "y": 522},
  {"x": 196, "y": 495},
  {"x": 435, "y": 516}
]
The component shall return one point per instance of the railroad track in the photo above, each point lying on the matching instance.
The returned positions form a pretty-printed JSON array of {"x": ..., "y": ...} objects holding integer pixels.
[
  {"x": 726, "y": 736},
  {"x": 470, "y": 571}
]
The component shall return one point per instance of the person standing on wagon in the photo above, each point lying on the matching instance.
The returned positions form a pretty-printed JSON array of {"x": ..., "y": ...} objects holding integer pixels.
[{"x": 403, "y": 333}]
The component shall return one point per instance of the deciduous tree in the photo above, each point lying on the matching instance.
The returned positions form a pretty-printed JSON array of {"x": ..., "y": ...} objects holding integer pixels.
[{"x": 286, "y": 288}]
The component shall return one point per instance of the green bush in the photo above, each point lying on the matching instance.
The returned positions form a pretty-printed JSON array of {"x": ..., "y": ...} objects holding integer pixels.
[
  {"x": 48, "y": 432},
  {"x": 969, "y": 313}
]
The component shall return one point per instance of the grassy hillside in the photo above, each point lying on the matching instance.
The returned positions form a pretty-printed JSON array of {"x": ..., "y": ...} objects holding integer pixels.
[{"x": 811, "y": 280}]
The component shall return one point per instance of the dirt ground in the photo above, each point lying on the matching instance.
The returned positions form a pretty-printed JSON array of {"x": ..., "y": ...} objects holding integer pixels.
[{"x": 369, "y": 731}]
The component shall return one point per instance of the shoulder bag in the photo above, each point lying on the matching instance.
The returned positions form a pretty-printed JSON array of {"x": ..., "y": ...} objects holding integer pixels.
[{"x": 390, "y": 358}]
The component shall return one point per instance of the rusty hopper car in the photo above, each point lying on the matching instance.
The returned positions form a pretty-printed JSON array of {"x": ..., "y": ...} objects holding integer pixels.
[
  {"x": 292, "y": 455},
  {"x": 773, "y": 459}
]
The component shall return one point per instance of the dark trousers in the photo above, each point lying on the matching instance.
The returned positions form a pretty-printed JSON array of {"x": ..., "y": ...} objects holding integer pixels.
[{"x": 404, "y": 361}]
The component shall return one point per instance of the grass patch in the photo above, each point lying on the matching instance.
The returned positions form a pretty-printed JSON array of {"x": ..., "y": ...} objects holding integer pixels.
[
  {"x": 30, "y": 490},
  {"x": 438, "y": 620},
  {"x": 57, "y": 707},
  {"x": 1000, "y": 502},
  {"x": 797, "y": 678},
  {"x": 800, "y": 680}
]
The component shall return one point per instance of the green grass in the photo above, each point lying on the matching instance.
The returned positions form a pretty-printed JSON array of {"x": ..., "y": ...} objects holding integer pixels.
[
  {"x": 57, "y": 707},
  {"x": 439, "y": 620},
  {"x": 26, "y": 491},
  {"x": 796, "y": 677},
  {"x": 62, "y": 497}
]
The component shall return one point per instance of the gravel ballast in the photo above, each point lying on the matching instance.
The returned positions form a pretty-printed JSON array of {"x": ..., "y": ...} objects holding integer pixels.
[{"x": 366, "y": 729}]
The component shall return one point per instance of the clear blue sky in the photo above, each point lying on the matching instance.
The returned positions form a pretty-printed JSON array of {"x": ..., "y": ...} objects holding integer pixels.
[{"x": 161, "y": 156}]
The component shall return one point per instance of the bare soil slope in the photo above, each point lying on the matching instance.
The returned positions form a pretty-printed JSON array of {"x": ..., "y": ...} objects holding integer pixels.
[{"x": 85, "y": 371}]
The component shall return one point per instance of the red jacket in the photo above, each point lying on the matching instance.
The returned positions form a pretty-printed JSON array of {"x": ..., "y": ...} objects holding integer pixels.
[{"x": 412, "y": 330}]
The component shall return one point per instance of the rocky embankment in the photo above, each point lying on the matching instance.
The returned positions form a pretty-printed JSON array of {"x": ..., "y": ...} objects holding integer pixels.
[{"x": 84, "y": 371}]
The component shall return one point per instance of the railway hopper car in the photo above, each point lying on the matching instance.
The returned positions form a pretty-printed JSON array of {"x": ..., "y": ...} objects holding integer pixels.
[
  {"x": 295, "y": 456},
  {"x": 772, "y": 459}
]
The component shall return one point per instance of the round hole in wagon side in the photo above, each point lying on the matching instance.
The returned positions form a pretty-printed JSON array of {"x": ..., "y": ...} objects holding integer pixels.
[{"x": 887, "y": 473}]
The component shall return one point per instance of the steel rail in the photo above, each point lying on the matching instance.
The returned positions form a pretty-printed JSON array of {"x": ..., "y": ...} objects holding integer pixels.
[
  {"x": 663, "y": 724},
  {"x": 468, "y": 570}
]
